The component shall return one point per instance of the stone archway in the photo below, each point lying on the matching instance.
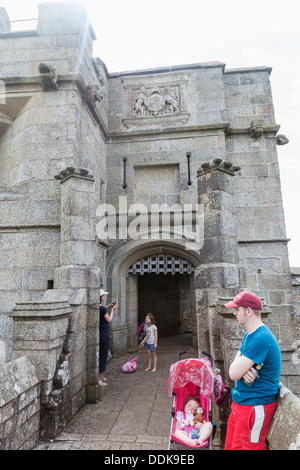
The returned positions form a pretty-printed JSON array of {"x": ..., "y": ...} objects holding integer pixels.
[
  {"x": 164, "y": 289},
  {"x": 164, "y": 296},
  {"x": 122, "y": 282}
]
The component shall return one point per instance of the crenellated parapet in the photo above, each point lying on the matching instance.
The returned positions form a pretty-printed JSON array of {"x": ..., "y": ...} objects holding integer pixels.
[
  {"x": 72, "y": 172},
  {"x": 218, "y": 164}
]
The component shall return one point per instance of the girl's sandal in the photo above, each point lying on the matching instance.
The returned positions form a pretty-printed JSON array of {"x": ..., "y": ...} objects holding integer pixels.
[{"x": 102, "y": 384}]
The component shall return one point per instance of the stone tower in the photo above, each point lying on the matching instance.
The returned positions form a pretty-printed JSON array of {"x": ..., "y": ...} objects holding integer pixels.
[{"x": 184, "y": 161}]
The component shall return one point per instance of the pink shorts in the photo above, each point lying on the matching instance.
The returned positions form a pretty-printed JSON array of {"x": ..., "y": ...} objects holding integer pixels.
[{"x": 248, "y": 426}]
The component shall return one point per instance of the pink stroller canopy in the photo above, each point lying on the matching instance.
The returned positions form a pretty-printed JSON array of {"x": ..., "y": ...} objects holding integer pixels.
[{"x": 197, "y": 371}]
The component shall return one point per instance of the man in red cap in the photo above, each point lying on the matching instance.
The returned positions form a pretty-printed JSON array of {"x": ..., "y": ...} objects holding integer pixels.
[{"x": 256, "y": 372}]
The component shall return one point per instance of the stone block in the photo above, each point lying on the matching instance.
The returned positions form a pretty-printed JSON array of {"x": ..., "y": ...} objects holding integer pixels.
[
  {"x": 119, "y": 339},
  {"x": 16, "y": 377},
  {"x": 39, "y": 330},
  {"x": 77, "y": 228},
  {"x": 77, "y": 252},
  {"x": 75, "y": 204},
  {"x": 214, "y": 181},
  {"x": 26, "y": 436},
  {"x": 264, "y": 266},
  {"x": 45, "y": 212},
  {"x": 92, "y": 392},
  {"x": 32, "y": 169},
  {"x": 219, "y": 223},
  {"x": 73, "y": 187},
  {"x": 285, "y": 422},
  {"x": 93, "y": 299},
  {"x": 278, "y": 229},
  {"x": 92, "y": 340},
  {"x": 218, "y": 201},
  {"x": 10, "y": 279},
  {"x": 217, "y": 276},
  {"x": 61, "y": 18},
  {"x": 36, "y": 279},
  {"x": 219, "y": 249},
  {"x": 72, "y": 277},
  {"x": 251, "y": 230},
  {"x": 78, "y": 318},
  {"x": 14, "y": 212},
  {"x": 30, "y": 397},
  {"x": 274, "y": 282},
  {"x": 35, "y": 257},
  {"x": 287, "y": 335}
]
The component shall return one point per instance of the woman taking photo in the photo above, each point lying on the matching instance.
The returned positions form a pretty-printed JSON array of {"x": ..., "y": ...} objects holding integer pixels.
[{"x": 105, "y": 320}]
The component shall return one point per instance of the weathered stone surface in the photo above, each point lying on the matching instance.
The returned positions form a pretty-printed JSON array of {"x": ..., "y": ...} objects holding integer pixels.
[
  {"x": 285, "y": 422},
  {"x": 19, "y": 404}
]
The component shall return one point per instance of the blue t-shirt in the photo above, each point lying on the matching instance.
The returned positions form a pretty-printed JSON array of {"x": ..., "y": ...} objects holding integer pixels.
[{"x": 262, "y": 347}]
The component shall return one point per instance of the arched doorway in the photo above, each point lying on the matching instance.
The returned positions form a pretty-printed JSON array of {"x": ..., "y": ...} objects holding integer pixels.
[
  {"x": 123, "y": 283},
  {"x": 159, "y": 294},
  {"x": 164, "y": 289}
]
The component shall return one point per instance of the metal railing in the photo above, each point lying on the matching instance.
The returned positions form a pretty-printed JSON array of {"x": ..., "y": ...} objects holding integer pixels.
[{"x": 21, "y": 25}]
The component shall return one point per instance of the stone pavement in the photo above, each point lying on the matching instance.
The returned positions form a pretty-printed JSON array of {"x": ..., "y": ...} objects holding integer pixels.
[{"x": 135, "y": 410}]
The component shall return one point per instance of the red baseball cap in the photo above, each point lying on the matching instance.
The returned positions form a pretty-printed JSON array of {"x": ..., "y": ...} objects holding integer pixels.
[{"x": 245, "y": 299}]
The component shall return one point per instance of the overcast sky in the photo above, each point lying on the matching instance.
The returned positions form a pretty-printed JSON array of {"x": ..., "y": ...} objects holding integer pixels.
[{"x": 140, "y": 34}]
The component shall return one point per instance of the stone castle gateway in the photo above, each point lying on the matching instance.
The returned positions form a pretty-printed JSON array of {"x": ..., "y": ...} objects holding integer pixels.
[{"x": 75, "y": 138}]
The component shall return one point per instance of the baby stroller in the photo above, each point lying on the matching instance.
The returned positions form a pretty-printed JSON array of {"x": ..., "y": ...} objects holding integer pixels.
[{"x": 193, "y": 377}]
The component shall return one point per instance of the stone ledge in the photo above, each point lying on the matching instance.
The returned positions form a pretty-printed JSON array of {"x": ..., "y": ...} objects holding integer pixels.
[
  {"x": 163, "y": 129},
  {"x": 180, "y": 118},
  {"x": 249, "y": 70},
  {"x": 16, "y": 377},
  {"x": 40, "y": 310},
  {"x": 173, "y": 68}
]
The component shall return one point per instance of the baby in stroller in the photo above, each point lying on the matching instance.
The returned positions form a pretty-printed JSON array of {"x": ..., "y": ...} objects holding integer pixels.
[{"x": 185, "y": 429}]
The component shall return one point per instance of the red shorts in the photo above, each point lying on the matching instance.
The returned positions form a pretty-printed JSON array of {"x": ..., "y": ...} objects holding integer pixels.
[{"x": 248, "y": 426}]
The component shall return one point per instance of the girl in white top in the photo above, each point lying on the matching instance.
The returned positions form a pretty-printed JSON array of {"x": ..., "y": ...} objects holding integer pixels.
[{"x": 151, "y": 340}]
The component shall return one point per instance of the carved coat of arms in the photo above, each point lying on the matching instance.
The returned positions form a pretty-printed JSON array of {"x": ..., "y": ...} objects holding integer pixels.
[{"x": 156, "y": 101}]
